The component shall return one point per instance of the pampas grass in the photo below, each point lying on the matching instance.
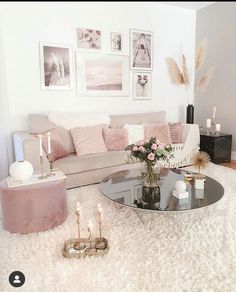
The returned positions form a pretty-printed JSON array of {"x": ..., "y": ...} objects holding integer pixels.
[
  {"x": 204, "y": 81},
  {"x": 178, "y": 75},
  {"x": 175, "y": 73},
  {"x": 201, "y": 54}
]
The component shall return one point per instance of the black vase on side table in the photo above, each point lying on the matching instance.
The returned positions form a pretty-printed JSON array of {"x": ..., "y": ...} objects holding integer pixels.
[{"x": 190, "y": 114}]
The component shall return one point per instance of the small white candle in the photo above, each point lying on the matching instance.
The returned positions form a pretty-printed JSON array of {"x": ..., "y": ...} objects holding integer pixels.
[
  {"x": 78, "y": 208},
  {"x": 208, "y": 123},
  {"x": 49, "y": 143},
  {"x": 90, "y": 225},
  {"x": 218, "y": 127},
  {"x": 214, "y": 112},
  {"x": 40, "y": 145}
]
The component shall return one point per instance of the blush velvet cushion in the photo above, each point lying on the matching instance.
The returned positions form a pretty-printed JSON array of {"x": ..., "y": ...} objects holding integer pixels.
[
  {"x": 175, "y": 132},
  {"x": 159, "y": 130},
  {"x": 58, "y": 149},
  {"x": 88, "y": 140},
  {"x": 115, "y": 139}
]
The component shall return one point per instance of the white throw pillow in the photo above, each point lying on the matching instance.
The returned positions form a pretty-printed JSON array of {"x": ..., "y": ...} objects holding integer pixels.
[
  {"x": 73, "y": 120},
  {"x": 135, "y": 132}
]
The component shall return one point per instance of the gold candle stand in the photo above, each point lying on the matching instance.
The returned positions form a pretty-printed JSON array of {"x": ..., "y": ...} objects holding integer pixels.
[
  {"x": 79, "y": 245},
  {"x": 42, "y": 176}
]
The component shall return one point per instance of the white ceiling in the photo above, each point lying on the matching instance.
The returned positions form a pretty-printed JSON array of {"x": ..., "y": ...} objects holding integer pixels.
[{"x": 189, "y": 4}]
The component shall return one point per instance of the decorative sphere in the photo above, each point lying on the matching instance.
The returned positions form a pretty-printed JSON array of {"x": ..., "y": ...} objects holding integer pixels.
[
  {"x": 21, "y": 170},
  {"x": 180, "y": 186}
]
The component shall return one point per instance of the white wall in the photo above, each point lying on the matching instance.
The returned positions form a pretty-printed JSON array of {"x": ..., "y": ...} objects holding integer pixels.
[
  {"x": 25, "y": 24},
  {"x": 217, "y": 24}
]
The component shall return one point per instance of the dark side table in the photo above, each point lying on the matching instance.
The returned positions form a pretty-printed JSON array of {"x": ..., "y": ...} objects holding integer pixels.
[{"x": 217, "y": 146}]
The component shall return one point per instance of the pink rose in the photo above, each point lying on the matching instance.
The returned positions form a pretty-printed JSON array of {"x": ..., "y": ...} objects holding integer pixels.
[
  {"x": 154, "y": 146},
  {"x": 151, "y": 156},
  {"x": 141, "y": 149},
  {"x": 140, "y": 143},
  {"x": 135, "y": 148},
  {"x": 162, "y": 146}
]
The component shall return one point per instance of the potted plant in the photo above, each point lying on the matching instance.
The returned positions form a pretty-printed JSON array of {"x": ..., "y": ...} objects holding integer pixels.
[{"x": 200, "y": 160}]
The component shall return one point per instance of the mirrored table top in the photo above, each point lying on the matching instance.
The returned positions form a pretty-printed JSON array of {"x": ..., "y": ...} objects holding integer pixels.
[{"x": 126, "y": 188}]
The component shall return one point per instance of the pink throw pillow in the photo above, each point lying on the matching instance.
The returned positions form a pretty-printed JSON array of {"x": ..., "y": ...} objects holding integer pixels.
[
  {"x": 115, "y": 139},
  {"x": 175, "y": 132},
  {"x": 57, "y": 147},
  {"x": 159, "y": 130},
  {"x": 88, "y": 140}
]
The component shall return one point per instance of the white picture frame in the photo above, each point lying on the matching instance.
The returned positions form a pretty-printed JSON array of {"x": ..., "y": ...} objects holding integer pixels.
[
  {"x": 142, "y": 85},
  {"x": 102, "y": 74},
  {"x": 116, "y": 42},
  {"x": 89, "y": 39},
  {"x": 56, "y": 65},
  {"x": 141, "y": 49}
]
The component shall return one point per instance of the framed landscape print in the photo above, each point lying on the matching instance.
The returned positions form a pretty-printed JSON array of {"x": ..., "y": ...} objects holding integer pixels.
[
  {"x": 102, "y": 75},
  {"x": 56, "y": 66},
  {"x": 116, "y": 42},
  {"x": 142, "y": 85},
  {"x": 88, "y": 38},
  {"x": 141, "y": 49}
]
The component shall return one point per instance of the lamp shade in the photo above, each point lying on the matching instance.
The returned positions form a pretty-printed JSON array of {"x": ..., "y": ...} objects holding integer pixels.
[{"x": 21, "y": 170}]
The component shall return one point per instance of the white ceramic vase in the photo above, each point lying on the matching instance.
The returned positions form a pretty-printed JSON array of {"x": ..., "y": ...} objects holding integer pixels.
[{"x": 21, "y": 170}]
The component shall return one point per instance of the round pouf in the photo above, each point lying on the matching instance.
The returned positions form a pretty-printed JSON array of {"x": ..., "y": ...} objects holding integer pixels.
[
  {"x": 33, "y": 208},
  {"x": 21, "y": 170}
]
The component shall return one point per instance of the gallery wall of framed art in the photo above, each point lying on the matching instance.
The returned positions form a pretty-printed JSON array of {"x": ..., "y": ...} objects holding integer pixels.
[{"x": 98, "y": 73}]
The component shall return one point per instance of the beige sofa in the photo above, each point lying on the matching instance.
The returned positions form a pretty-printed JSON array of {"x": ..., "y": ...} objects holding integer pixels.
[{"x": 89, "y": 169}]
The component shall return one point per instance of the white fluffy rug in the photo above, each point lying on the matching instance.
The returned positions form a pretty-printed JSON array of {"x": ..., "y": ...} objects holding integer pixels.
[{"x": 188, "y": 251}]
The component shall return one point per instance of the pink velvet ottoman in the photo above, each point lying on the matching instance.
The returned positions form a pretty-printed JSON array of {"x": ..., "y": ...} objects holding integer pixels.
[{"x": 33, "y": 208}]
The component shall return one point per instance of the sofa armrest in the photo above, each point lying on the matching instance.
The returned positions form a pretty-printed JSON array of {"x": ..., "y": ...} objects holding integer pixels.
[{"x": 26, "y": 147}]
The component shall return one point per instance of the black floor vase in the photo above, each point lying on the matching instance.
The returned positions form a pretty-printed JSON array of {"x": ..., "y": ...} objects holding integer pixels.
[{"x": 190, "y": 114}]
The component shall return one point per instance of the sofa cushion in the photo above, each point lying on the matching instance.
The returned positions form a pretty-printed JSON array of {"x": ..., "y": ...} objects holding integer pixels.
[
  {"x": 88, "y": 140},
  {"x": 66, "y": 137},
  {"x": 73, "y": 163},
  {"x": 159, "y": 130},
  {"x": 115, "y": 139},
  {"x": 135, "y": 132},
  {"x": 117, "y": 121},
  {"x": 58, "y": 149},
  {"x": 73, "y": 119},
  {"x": 39, "y": 124},
  {"x": 175, "y": 132}
]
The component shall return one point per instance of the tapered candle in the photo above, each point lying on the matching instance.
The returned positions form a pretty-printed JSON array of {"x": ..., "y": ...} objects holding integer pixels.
[
  {"x": 40, "y": 145},
  {"x": 78, "y": 208},
  {"x": 208, "y": 123},
  {"x": 218, "y": 127},
  {"x": 49, "y": 143},
  {"x": 214, "y": 112}
]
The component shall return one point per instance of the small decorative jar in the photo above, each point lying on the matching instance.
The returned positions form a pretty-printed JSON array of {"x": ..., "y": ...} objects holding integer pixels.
[{"x": 21, "y": 170}]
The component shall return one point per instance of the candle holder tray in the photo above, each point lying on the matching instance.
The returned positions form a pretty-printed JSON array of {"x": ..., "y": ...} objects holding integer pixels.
[{"x": 69, "y": 250}]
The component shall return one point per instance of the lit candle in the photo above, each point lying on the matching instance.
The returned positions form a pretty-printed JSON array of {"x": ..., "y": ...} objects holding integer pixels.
[
  {"x": 78, "y": 208},
  {"x": 208, "y": 123},
  {"x": 40, "y": 145},
  {"x": 214, "y": 112},
  {"x": 49, "y": 143},
  {"x": 218, "y": 127}
]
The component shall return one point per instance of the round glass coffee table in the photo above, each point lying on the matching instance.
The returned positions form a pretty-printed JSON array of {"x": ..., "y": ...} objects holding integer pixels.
[{"x": 126, "y": 188}]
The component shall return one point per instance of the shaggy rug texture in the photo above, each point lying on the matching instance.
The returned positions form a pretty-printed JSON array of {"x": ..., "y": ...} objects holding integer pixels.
[{"x": 187, "y": 251}]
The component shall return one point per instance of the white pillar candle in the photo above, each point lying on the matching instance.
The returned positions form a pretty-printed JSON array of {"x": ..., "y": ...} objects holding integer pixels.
[
  {"x": 214, "y": 112},
  {"x": 218, "y": 127},
  {"x": 208, "y": 123},
  {"x": 49, "y": 143},
  {"x": 40, "y": 145}
]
